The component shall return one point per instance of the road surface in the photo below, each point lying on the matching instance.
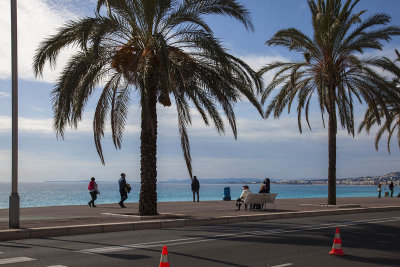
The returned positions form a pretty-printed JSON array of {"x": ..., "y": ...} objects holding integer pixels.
[{"x": 369, "y": 239}]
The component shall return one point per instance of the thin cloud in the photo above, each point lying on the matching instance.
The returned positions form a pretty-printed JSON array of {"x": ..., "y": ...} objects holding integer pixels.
[
  {"x": 258, "y": 61},
  {"x": 4, "y": 95},
  {"x": 44, "y": 126},
  {"x": 38, "y": 109},
  {"x": 37, "y": 19}
]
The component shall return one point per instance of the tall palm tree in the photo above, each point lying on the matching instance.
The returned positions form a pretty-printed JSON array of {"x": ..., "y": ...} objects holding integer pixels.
[
  {"x": 331, "y": 70},
  {"x": 164, "y": 51},
  {"x": 392, "y": 122}
]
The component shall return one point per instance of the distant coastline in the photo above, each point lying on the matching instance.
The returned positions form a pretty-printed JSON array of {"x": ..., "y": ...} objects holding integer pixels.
[
  {"x": 66, "y": 181},
  {"x": 366, "y": 180}
]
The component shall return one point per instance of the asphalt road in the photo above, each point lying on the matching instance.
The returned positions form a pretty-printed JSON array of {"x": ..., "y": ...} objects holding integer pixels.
[{"x": 370, "y": 239}]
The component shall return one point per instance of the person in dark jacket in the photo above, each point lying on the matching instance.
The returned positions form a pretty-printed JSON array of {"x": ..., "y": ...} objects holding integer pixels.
[
  {"x": 122, "y": 190},
  {"x": 267, "y": 183},
  {"x": 263, "y": 189},
  {"x": 379, "y": 190},
  {"x": 391, "y": 188},
  {"x": 195, "y": 188}
]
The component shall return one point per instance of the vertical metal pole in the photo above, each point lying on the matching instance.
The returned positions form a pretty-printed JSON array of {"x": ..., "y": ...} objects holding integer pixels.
[{"x": 14, "y": 198}]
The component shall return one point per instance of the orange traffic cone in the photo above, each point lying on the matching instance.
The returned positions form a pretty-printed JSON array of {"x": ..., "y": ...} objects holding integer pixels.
[
  {"x": 337, "y": 244},
  {"x": 164, "y": 257}
]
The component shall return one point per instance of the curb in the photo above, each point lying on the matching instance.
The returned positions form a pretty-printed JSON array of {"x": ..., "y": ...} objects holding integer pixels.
[{"x": 41, "y": 232}]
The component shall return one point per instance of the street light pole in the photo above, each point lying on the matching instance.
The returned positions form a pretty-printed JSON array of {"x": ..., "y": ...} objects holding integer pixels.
[{"x": 14, "y": 198}]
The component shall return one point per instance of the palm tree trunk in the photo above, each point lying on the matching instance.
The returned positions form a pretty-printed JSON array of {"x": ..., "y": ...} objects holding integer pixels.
[
  {"x": 148, "y": 158},
  {"x": 332, "y": 130}
]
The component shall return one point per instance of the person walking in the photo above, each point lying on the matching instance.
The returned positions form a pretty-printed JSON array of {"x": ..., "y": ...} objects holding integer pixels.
[
  {"x": 391, "y": 188},
  {"x": 195, "y": 188},
  {"x": 267, "y": 183},
  {"x": 93, "y": 191},
  {"x": 122, "y": 190},
  {"x": 379, "y": 190}
]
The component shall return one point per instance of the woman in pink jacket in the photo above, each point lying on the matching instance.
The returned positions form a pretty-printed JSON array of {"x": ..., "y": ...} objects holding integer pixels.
[{"x": 93, "y": 191}]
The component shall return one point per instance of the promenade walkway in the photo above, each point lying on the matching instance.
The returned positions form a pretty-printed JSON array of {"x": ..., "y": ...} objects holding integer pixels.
[{"x": 68, "y": 220}]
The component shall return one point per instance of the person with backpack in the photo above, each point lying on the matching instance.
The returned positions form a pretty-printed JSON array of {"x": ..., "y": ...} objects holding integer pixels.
[
  {"x": 195, "y": 188},
  {"x": 93, "y": 191},
  {"x": 124, "y": 189}
]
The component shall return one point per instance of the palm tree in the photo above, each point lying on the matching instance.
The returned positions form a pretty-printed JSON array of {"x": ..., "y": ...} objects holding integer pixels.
[
  {"x": 391, "y": 124},
  {"x": 331, "y": 70},
  {"x": 164, "y": 51}
]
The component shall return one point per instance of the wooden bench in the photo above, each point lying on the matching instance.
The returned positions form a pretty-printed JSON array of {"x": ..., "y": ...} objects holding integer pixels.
[{"x": 261, "y": 199}]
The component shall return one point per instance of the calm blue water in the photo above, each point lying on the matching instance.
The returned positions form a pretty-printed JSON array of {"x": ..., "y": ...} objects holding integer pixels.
[{"x": 61, "y": 194}]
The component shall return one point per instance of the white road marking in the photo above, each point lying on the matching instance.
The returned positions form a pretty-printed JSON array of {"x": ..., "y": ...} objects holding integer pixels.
[
  {"x": 15, "y": 260},
  {"x": 57, "y": 266},
  {"x": 227, "y": 236},
  {"x": 283, "y": 265}
]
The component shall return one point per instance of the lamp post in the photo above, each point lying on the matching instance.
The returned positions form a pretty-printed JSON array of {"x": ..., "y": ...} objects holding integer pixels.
[{"x": 14, "y": 197}]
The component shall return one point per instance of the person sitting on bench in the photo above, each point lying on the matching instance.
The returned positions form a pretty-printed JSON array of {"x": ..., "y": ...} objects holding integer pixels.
[
  {"x": 263, "y": 189},
  {"x": 240, "y": 200}
]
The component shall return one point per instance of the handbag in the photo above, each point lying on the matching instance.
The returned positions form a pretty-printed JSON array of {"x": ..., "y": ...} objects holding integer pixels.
[{"x": 128, "y": 188}]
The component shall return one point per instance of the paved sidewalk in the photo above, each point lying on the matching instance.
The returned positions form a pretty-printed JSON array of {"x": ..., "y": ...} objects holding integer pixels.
[{"x": 68, "y": 220}]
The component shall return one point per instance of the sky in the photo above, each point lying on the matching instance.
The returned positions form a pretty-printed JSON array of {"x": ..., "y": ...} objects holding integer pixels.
[{"x": 264, "y": 148}]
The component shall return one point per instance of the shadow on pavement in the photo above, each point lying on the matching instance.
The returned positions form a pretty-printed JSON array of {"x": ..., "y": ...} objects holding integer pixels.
[
  {"x": 379, "y": 261},
  {"x": 6, "y": 245},
  {"x": 129, "y": 257},
  {"x": 374, "y": 240}
]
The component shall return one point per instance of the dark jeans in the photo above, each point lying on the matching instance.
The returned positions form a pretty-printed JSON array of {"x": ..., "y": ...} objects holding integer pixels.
[
  {"x": 194, "y": 193},
  {"x": 124, "y": 196},
  {"x": 94, "y": 197},
  {"x": 239, "y": 202}
]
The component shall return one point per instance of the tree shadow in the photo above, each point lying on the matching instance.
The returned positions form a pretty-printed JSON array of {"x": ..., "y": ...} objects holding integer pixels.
[
  {"x": 129, "y": 257},
  {"x": 355, "y": 237},
  {"x": 374, "y": 260},
  {"x": 211, "y": 261},
  {"x": 13, "y": 246}
]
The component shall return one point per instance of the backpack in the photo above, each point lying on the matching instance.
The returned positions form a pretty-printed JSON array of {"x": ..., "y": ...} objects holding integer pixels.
[{"x": 91, "y": 185}]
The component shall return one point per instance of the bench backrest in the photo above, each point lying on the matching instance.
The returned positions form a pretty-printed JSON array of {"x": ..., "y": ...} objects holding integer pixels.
[{"x": 260, "y": 198}]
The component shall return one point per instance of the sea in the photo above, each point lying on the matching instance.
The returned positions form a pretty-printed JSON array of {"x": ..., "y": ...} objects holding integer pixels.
[{"x": 76, "y": 193}]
